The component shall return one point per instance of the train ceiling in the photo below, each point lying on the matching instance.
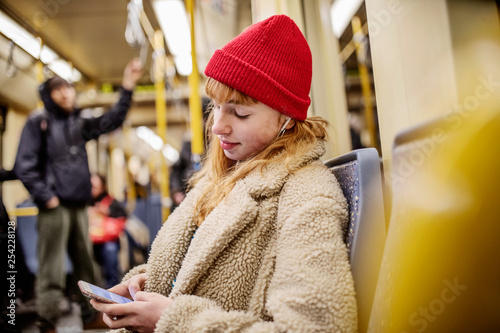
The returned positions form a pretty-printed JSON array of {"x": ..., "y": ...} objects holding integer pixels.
[{"x": 91, "y": 33}]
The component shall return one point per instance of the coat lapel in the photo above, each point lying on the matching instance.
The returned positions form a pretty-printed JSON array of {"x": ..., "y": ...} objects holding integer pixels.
[
  {"x": 171, "y": 244},
  {"x": 272, "y": 179},
  {"x": 217, "y": 231}
]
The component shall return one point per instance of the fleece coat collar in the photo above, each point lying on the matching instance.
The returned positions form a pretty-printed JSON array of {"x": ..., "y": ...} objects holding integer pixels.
[
  {"x": 271, "y": 181},
  {"x": 219, "y": 228}
]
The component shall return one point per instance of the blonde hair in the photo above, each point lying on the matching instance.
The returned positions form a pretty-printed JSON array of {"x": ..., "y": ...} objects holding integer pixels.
[{"x": 223, "y": 173}]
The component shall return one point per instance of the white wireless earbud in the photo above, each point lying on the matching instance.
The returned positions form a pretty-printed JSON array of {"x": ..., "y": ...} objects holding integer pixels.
[{"x": 283, "y": 128}]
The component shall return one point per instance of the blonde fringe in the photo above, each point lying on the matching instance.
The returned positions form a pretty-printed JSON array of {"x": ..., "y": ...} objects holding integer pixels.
[{"x": 223, "y": 173}]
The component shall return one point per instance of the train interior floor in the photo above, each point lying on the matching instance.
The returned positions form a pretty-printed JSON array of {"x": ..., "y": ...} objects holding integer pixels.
[{"x": 70, "y": 323}]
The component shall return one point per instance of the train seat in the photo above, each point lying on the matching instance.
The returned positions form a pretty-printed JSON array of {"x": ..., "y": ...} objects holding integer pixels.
[
  {"x": 359, "y": 175},
  {"x": 440, "y": 267},
  {"x": 149, "y": 211}
]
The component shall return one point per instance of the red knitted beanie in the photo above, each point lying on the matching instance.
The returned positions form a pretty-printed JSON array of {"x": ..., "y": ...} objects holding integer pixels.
[{"x": 269, "y": 61}]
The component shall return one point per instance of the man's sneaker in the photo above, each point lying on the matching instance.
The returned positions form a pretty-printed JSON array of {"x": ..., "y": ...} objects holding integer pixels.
[
  {"x": 65, "y": 306},
  {"x": 45, "y": 325},
  {"x": 96, "y": 323}
]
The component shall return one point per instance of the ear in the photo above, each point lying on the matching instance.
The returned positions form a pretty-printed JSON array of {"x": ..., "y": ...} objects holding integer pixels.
[{"x": 290, "y": 124}]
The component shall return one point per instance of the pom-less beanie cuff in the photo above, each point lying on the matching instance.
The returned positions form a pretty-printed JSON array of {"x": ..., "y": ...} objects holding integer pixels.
[
  {"x": 257, "y": 84},
  {"x": 271, "y": 62}
]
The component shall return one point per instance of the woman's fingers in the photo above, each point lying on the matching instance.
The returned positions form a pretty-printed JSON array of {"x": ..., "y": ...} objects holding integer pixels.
[
  {"x": 141, "y": 315},
  {"x": 121, "y": 289},
  {"x": 130, "y": 287},
  {"x": 117, "y": 317},
  {"x": 136, "y": 284},
  {"x": 113, "y": 310},
  {"x": 115, "y": 322}
]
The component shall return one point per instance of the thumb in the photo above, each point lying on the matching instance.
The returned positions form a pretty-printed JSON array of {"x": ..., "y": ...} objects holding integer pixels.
[
  {"x": 141, "y": 296},
  {"x": 133, "y": 288}
]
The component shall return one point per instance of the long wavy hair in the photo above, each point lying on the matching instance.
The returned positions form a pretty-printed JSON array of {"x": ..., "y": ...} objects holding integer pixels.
[{"x": 223, "y": 173}]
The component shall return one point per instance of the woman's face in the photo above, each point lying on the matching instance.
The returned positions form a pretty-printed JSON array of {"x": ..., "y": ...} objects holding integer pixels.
[
  {"x": 245, "y": 129},
  {"x": 97, "y": 186}
]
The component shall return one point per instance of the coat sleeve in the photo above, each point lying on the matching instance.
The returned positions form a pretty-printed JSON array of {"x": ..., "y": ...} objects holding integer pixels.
[
  {"x": 111, "y": 120},
  {"x": 135, "y": 271},
  {"x": 311, "y": 289},
  {"x": 28, "y": 166}
]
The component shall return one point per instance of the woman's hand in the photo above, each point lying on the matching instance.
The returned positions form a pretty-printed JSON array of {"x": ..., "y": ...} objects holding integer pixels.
[
  {"x": 141, "y": 315},
  {"x": 131, "y": 286}
]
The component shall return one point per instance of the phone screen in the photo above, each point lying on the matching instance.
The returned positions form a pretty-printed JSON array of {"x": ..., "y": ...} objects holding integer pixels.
[{"x": 109, "y": 295}]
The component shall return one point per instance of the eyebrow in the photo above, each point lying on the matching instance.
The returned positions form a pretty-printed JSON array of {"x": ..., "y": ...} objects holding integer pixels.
[{"x": 232, "y": 101}]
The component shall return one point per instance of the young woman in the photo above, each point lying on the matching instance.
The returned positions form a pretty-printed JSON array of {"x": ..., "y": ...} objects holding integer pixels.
[{"x": 257, "y": 244}]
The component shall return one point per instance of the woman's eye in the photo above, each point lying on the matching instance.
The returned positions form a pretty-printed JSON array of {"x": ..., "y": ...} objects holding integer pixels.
[{"x": 241, "y": 116}]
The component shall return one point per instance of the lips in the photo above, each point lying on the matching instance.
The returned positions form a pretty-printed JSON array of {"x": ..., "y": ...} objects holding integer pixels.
[{"x": 227, "y": 145}]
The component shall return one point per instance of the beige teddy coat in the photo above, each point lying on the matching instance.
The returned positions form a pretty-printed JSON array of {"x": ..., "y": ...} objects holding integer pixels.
[{"x": 270, "y": 258}]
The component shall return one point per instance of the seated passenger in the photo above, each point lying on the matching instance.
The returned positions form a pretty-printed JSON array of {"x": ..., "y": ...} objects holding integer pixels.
[
  {"x": 107, "y": 220},
  {"x": 256, "y": 245}
]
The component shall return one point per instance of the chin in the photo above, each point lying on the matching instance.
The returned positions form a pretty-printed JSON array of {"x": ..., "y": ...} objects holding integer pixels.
[
  {"x": 228, "y": 155},
  {"x": 233, "y": 157}
]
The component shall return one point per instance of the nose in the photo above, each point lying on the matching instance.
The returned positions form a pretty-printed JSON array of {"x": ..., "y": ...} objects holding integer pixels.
[
  {"x": 65, "y": 91},
  {"x": 221, "y": 125}
]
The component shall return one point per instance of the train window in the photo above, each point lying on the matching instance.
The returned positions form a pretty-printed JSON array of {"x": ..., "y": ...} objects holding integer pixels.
[{"x": 358, "y": 75}]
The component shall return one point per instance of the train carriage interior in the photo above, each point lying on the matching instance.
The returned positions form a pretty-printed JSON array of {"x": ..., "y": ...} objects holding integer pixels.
[{"x": 411, "y": 93}]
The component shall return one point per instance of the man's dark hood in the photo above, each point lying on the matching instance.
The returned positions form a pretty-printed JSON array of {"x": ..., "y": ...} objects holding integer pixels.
[{"x": 44, "y": 90}]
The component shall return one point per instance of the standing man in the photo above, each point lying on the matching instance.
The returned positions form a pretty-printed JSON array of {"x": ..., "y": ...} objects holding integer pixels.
[{"x": 52, "y": 164}]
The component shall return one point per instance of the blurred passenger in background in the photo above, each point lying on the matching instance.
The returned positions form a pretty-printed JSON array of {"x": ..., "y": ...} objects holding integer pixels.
[
  {"x": 107, "y": 219},
  {"x": 52, "y": 164},
  {"x": 181, "y": 171},
  {"x": 357, "y": 127},
  {"x": 184, "y": 167},
  {"x": 257, "y": 244}
]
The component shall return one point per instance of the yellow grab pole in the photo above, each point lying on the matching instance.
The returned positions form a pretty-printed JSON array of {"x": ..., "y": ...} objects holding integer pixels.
[
  {"x": 161, "y": 119},
  {"x": 39, "y": 73},
  {"x": 131, "y": 193},
  {"x": 194, "y": 97},
  {"x": 365, "y": 79}
]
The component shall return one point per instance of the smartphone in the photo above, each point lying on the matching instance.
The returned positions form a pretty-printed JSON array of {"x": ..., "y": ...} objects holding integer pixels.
[{"x": 100, "y": 294}]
